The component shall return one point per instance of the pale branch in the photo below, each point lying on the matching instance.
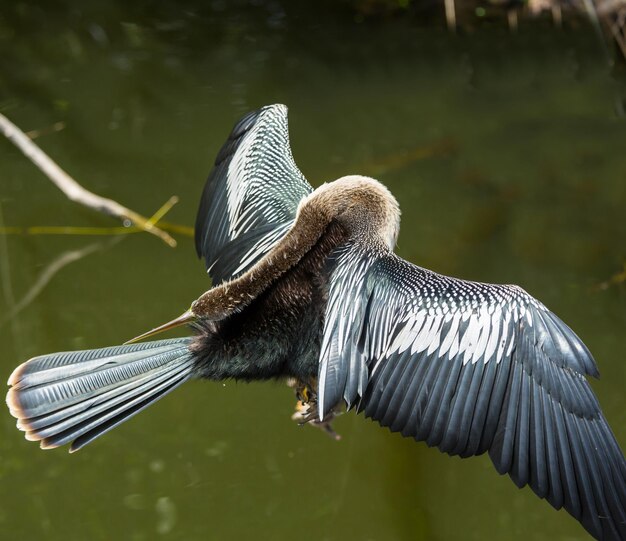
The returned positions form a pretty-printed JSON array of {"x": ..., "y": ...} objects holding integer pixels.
[{"x": 72, "y": 189}]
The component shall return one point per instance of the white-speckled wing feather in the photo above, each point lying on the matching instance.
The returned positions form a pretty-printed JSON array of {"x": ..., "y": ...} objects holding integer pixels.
[
  {"x": 252, "y": 194},
  {"x": 469, "y": 368}
]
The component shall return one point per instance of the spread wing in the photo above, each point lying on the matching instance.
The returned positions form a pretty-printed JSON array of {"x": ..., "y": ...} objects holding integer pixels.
[
  {"x": 469, "y": 368},
  {"x": 251, "y": 196}
]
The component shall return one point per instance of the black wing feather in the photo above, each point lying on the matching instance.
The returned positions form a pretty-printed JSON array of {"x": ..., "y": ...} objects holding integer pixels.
[
  {"x": 471, "y": 368},
  {"x": 251, "y": 196}
]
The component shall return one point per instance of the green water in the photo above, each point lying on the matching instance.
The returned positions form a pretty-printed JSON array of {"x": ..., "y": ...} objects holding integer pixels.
[{"x": 507, "y": 154}]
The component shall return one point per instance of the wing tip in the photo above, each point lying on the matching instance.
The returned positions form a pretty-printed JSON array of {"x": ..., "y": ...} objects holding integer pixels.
[
  {"x": 251, "y": 118},
  {"x": 567, "y": 344},
  {"x": 277, "y": 106}
]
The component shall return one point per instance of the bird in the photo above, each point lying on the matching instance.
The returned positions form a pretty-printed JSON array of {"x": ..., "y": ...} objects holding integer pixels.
[{"x": 306, "y": 285}]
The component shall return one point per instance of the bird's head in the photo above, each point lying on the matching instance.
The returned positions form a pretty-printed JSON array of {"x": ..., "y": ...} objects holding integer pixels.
[{"x": 361, "y": 204}]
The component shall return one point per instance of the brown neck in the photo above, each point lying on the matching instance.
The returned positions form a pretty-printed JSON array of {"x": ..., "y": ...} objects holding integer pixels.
[
  {"x": 230, "y": 297},
  {"x": 362, "y": 206}
]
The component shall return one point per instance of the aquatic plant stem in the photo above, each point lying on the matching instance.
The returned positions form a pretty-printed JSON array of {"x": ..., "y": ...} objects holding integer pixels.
[{"x": 71, "y": 188}]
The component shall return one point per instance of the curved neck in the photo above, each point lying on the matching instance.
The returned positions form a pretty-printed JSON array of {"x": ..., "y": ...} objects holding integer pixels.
[
  {"x": 362, "y": 206},
  {"x": 230, "y": 297}
]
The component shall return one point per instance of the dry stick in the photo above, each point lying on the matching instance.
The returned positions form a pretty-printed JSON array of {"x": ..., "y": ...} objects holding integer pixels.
[{"x": 74, "y": 191}]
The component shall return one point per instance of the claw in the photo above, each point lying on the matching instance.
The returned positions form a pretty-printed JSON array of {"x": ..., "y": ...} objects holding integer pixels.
[{"x": 306, "y": 409}]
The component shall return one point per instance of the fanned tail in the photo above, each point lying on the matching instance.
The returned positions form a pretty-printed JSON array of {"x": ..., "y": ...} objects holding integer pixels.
[{"x": 77, "y": 396}]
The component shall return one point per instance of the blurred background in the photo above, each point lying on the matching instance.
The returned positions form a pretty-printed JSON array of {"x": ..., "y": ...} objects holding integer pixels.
[{"x": 501, "y": 129}]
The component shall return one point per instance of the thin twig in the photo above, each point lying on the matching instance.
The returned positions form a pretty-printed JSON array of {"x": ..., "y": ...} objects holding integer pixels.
[
  {"x": 72, "y": 189},
  {"x": 91, "y": 231},
  {"x": 57, "y": 126},
  {"x": 106, "y": 231},
  {"x": 44, "y": 278}
]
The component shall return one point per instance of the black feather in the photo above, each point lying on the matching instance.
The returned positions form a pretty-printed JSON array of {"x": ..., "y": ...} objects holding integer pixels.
[
  {"x": 60, "y": 397},
  {"x": 269, "y": 188},
  {"x": 537, "y": 453},
  {"x": 528, "y": 403}
]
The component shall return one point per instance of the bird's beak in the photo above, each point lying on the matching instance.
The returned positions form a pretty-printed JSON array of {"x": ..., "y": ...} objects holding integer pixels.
[{"x": 186, "y": 317}]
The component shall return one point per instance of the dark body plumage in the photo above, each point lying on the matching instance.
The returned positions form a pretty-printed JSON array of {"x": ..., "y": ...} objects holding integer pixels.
[
  {"x": 306, "y": 286},
  {"x": 279, "y": 334}
]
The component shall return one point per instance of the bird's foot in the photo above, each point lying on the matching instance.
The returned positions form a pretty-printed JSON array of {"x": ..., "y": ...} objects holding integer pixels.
[{"x": 307, "y": 412}]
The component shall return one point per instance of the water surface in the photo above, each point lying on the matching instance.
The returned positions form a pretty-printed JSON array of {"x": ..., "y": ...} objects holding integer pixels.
[{"x": 506, "y": 154}]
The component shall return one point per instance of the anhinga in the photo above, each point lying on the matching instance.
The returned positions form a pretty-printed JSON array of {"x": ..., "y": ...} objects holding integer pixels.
[{"x": 307, "y": 286}]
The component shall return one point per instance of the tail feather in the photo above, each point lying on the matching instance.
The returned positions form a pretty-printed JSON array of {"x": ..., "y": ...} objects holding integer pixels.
[
  {"x": 99, "y": 424},
  {"x": 47, "y": 368},
  {"x": 61, "y": 420},
  {"x": 90, "y": 406},
  {"x": 78, "y": 396},
  {"x": 114, "y": 421},
  {"x": 59, "y": 380}
]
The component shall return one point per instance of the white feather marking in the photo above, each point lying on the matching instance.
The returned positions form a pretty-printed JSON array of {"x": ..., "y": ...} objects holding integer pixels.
[
  {"x": 434, "y": 330},
  {"x": 454, "y": 346},
  {"x": 529, "y": 318},
  {"x": 419, "y": 339},
  {"x": 470, "y": 338},
  {"x": 320, "y": 388},
  {"x": 511, "y": 344},
  {"x": 447, "y": 342},
  {"x": 400, "y": 344},
  {"x": 485, "y": 333},
  {"x": 502, "y": 341},
  {"x": 238, "y": 179},
  {"x": 493, "y": 335},
  {"x": 434, "y": 343},
  {"x": 420, "y": 320}
]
